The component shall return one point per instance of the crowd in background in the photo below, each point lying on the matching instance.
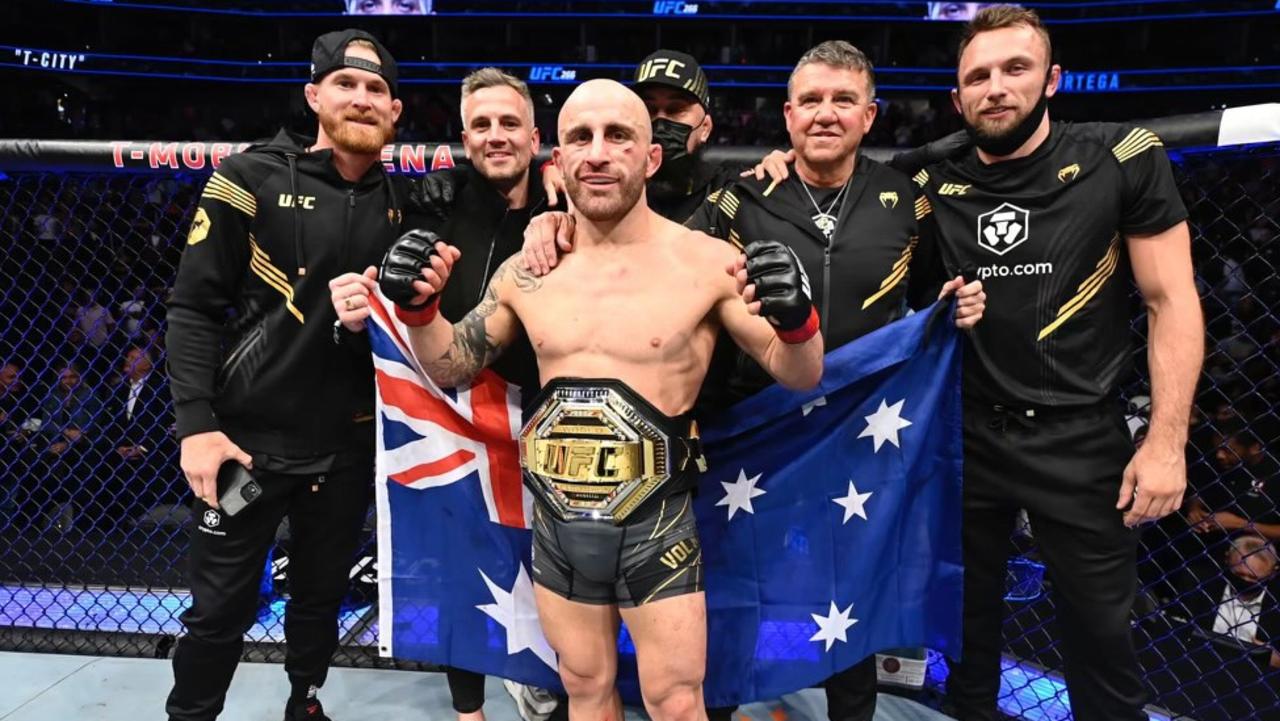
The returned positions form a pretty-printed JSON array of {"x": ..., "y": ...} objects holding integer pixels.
[{"x": 86, "y": 440}]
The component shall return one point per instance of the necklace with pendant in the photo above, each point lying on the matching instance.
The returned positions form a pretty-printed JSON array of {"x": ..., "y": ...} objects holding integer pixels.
[{"x": 826, "y": 220}]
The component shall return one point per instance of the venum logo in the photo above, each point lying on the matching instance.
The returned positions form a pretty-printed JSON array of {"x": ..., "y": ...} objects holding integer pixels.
[{"x": 1003, "y": 229}]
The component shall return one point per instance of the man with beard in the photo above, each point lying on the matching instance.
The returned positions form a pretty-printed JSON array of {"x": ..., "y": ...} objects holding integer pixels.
[
  {"x": 1048, "y": 213},
  {"x": 623, "y": 334},
  {"x": 263, "y": 376}
]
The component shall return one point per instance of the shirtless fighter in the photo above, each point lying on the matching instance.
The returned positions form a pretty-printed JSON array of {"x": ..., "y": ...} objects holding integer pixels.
[{"x": 623, "y": 332}]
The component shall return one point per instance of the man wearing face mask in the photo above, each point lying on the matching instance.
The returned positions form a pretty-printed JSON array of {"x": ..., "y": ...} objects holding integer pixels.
[
  {"x": 675, "y": 90},
  {"x": 1055, "y": 216}
]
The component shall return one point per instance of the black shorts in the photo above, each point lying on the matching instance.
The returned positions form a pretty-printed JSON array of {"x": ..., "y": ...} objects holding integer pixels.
[{"x": 654, "y": 556}]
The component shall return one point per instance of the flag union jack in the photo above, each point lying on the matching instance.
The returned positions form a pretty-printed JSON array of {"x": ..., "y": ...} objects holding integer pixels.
[{"x": 434, "y": 437}]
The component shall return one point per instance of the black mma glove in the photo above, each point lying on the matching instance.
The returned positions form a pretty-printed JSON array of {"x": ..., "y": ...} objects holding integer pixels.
[
  {"x": 782, "y": 289},
  {"x": 401, "y": 267},
  {"x": 435, "y": 192}
]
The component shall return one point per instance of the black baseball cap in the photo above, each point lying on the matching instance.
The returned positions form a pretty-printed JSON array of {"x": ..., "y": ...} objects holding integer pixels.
[
  {"x": 677, "y": 70},
  {"x": 329, "y": 53}
]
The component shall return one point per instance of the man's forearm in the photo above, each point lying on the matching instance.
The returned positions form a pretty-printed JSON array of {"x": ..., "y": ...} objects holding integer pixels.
[
  {"x": 452, "y": 355},
  {"x": 1175, "y": 353},
  {"x": 797, "y": 366},
  {"x": 433, "y": 344}
]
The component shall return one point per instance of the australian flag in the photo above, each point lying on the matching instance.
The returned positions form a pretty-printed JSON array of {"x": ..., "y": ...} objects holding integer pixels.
[{"x": 830, "y": 519}]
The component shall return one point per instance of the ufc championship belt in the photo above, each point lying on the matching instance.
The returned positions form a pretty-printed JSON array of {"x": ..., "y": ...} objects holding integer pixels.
[{"x": 593, "y": 449}]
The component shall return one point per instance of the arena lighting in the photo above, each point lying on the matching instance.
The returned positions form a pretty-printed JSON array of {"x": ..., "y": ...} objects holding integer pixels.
[{"x": 1129, "y": 10}]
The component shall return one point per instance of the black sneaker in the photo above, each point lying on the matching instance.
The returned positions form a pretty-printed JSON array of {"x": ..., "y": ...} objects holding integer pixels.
[{"x": 309, "y": 710}]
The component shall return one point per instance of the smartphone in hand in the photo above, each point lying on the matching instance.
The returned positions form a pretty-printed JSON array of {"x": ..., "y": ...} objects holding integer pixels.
[{"x": 236, "y": 488}]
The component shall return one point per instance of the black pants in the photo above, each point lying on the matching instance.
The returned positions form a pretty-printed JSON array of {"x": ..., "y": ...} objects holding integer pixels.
[
  {"x": 851, "y": 694},
  {"x": 466, "y": 688},
  {"x": 1064, "y": 467},
  {"x": 227, "y": 558}
]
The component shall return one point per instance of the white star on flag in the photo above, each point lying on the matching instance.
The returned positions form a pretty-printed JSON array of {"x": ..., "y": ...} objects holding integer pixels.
[
  {"x": 738, "y": 494},
  {"x": 818, "y": 402},
  {"x": 514, "y": 610},
  {"x": 832, "y": 627},
  {"x": 884, "y": 424},
  {"x": 854, "y": 504}
]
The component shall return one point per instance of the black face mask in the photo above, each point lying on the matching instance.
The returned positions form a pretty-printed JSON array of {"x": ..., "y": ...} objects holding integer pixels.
[
  {"x": 676, "y": 172},
  {"x": 1018, "y": 135}
]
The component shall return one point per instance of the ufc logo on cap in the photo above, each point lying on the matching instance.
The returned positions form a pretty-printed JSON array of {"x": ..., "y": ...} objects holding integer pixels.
[{"x": 666, "y": 66}]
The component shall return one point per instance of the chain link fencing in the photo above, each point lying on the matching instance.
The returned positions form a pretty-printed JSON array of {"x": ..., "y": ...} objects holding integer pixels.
[{"x": 95, "y": 512}]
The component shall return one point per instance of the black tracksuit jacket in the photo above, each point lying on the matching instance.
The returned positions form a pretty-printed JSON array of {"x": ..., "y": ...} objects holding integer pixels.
[{"x": 251, "y": 325}]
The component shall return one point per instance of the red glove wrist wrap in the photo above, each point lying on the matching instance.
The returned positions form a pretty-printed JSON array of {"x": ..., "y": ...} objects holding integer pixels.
[
  {"x": 422, "y": 316},
  {"x": 804, "y": 332}
]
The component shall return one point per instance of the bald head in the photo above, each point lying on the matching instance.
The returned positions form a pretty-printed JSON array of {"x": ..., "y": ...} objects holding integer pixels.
[
  {"x": 606, "y": 100},
  {"x": 606, "y": 150}
]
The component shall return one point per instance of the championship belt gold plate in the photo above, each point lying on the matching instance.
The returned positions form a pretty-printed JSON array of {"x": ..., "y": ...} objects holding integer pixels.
[{"x": 595, "y": 450}]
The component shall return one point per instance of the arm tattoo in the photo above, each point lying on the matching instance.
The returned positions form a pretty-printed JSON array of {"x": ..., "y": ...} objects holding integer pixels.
[
  {"x": 524, "y": 280},
  {"x": 473, "y": 348}
]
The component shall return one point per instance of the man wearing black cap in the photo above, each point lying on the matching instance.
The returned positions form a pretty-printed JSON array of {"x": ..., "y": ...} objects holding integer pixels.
[
  {"x": 675, "y": 90},
  {"x": 263, "y": 378}
]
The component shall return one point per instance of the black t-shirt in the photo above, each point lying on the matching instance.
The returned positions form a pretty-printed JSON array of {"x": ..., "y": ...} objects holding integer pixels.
[{"x": 1045, "y": 234}]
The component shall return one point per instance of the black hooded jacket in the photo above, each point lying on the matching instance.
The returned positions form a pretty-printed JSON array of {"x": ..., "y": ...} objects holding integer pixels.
[{"x": 251, "y": 325}]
